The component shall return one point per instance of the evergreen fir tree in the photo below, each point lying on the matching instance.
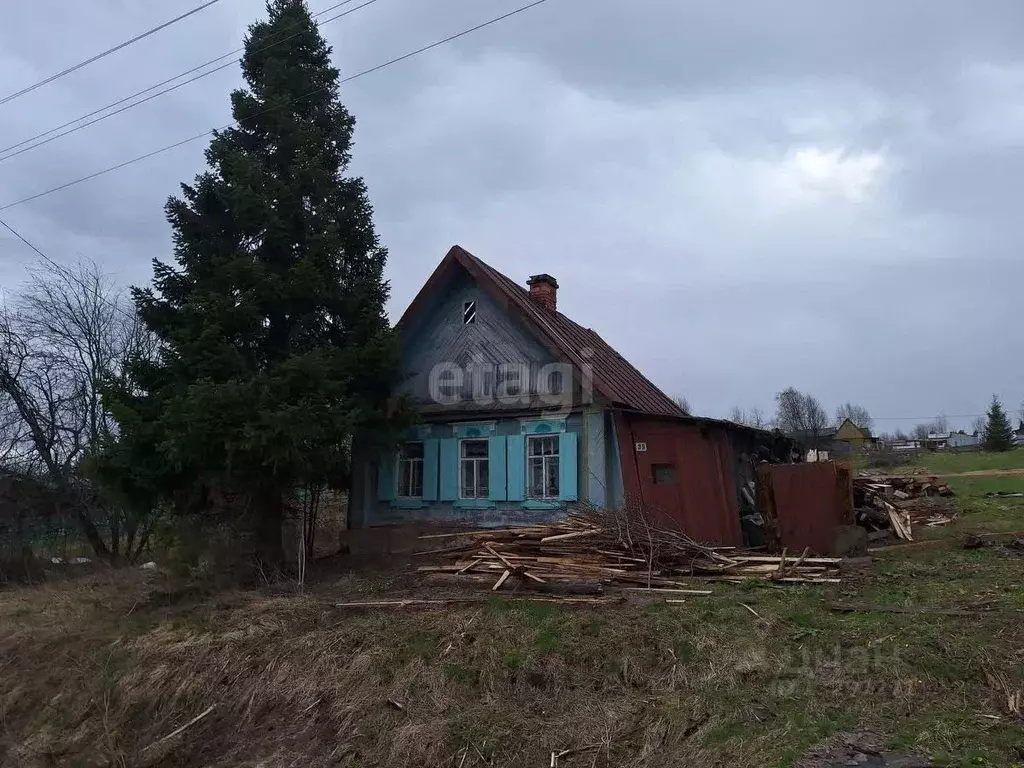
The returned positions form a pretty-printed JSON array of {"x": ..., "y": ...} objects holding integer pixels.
[
  {"x": 998, "y": 433},
  {"x": 277, "y": 348}
]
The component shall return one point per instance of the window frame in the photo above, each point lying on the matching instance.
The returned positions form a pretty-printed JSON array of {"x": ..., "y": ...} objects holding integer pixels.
[
  {"x": 545, "y": 459},
  {"x": 475, "y": 461},
  {"x": 411, "y": 463}
]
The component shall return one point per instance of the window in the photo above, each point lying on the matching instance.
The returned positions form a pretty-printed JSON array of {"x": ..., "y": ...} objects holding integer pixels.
[
  {"x": 663, "y": 474},
  {"x": 469, "y": 312},
  {"x": 555, "y": 383},
  {"x": 410, "y": 471},
  {"x": 473, "y": 469},
  {"x": 542, "y": 467}
]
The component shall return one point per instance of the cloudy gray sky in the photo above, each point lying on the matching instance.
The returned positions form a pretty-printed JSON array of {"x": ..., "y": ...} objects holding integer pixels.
[{"x": 739, "y": 196}]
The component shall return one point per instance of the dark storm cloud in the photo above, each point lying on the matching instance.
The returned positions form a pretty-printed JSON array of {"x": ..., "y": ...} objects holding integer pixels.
[{"x": 740, "y": 196}]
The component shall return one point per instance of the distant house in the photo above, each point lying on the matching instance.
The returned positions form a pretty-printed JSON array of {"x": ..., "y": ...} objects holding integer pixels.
[
  {"x": 524, "y": 414},
  {"x": 934, "y": 441},
  {"x": 963, "y": 440},
  {"x": 854, "y": 436}
]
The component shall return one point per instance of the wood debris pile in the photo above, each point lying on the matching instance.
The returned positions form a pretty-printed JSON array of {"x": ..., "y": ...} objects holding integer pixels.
[
  {"x": 603, "y": 547},
  {"x": 880, "y": 503}
]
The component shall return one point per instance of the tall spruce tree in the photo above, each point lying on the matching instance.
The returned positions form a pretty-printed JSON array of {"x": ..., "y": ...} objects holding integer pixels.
[
  {"x": 998, "y": 432},
  {"x": 276, "y": 343}
]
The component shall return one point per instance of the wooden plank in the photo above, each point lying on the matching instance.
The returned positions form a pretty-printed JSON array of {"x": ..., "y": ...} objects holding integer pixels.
[
  {"x": 501, "y": 580},
  {"x": 573, "y": 535},
  {"x": 775, "y": 559},
  {"x": 669, "y": 590},
  {"x": 902, "y": 609}
]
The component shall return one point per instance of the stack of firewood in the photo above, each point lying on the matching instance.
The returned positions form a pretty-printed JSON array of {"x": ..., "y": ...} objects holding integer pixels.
[
  {"x": 604, "y": 547},
  {"x": 878, "y": 501}
]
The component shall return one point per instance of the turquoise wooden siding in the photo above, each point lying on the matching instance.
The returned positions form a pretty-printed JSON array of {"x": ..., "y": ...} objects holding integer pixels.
[
  {"x": 449, "y": 469},
  {"x": 594, "y": 476},
  {"x": 430, "y": 450},
  {"x": 386, "y": 478},
  {"x": 496, "y": 468},
  {"x": 568, "y": 482},
  {"x": 516, "y": 466}
]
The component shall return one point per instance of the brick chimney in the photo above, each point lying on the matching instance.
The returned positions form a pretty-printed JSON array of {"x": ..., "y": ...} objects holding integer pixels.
[{"x": 544, "y": 290}]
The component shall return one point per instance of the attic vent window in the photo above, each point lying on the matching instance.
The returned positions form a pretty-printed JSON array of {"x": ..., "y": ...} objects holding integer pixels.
[{"x": 469, "y": 312}]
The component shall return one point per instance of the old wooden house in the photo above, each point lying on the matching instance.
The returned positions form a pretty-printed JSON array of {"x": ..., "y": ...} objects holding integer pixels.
[
  {"x": 853, "y": 435},
  {"x": 525, "y": 413}
]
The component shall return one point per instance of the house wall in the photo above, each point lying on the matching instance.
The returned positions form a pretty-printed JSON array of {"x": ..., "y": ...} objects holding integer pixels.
[{"x": 375, "y": 478}]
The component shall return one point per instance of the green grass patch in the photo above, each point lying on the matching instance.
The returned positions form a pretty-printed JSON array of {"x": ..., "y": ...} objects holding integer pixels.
[{"x": 949, "y": 462}]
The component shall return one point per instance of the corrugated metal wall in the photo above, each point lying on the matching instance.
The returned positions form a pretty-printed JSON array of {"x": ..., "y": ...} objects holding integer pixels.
[
  {"x": 684, "y": 475},
  {"x": 804, "y": 504}
]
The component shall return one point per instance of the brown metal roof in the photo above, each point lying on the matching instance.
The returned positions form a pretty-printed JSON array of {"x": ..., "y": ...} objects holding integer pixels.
[{"x": 613, "y": 376}]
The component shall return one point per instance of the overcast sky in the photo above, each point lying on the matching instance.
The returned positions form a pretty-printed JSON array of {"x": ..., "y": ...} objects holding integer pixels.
[{"x": 738, "y": 196}]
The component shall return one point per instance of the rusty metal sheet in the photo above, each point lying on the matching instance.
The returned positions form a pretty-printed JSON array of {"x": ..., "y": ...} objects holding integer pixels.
[
  {"x": 684, "y": 476},
  {"x": 803, "y": 504}
]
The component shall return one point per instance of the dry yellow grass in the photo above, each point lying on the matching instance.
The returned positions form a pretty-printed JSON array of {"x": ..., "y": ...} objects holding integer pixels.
[{"x": 97, "y": 671}]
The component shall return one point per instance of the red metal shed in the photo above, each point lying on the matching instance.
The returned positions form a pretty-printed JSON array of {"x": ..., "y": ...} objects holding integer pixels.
[{"x": 683, "y": 472}]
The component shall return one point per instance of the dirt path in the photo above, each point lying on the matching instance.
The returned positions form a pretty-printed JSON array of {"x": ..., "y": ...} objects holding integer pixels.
[{"x": 988, "y": 473}]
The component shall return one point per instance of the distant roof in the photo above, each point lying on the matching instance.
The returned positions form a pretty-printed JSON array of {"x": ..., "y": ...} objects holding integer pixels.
[{"x": 614, "y": 377}]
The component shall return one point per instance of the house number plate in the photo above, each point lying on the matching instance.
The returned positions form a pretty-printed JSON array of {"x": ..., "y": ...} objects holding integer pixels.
[{"x": 641, "y": 447}]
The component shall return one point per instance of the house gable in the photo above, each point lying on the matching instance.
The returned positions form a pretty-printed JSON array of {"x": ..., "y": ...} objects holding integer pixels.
[
  {"x": 850, "y": 431},
  {"x": 453, "y": 362},
  {"x": 598, "y": 373}
]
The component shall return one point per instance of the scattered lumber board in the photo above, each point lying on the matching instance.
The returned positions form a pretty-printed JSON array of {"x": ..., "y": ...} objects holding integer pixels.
[
  {"x": 902, "y": 609},
  {"x": 611, "y": 547},
  {"x": 445, "y": 601}
]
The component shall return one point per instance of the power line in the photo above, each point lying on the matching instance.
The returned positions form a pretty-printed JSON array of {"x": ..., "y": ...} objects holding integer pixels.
[
  {"x": 18, "y": 235},
  {"x": 107, "y": 52},
  {"x": 161, "y": 83},
  {"x": 62, "y": 269},
  {"x": 349, "y": 79}
]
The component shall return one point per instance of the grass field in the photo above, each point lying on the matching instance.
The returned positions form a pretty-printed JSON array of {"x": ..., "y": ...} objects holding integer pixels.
[{"x": 98, "y": 670}]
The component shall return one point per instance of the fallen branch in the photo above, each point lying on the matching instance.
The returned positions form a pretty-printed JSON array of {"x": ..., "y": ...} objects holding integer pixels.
[
  {"x": 189, "y": 724},
  {"x": 902, "y": 609}
]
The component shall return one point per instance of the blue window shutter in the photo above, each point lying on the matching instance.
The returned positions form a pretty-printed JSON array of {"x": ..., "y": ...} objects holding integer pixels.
[
  {"x": 386, "y": 477},
  {"x": 496, "y": 468},
  {"x": 516, "y": 463},
  {"x": 568, "y": 485},
  {"x": 430, "y": 470},
  {"x": 449, "y": 469}
]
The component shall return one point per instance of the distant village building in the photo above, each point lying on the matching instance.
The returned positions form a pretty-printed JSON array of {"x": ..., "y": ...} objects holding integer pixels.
[
  {"x": 854, "y": 436},
  {"x": 963, "y": 440}
]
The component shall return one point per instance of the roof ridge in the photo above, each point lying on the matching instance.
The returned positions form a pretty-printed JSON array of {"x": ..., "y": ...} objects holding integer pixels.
[{"x": 614, "y": 376}]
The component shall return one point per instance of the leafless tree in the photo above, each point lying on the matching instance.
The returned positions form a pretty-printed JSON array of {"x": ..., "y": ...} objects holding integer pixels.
[
  {"x": 683, "y": 403},
  {"x": 801, "y": 414},
  {"x": 858, "y": 414},
  {"x": 937, "y": 427},
  {"x": 752, "y": 418},
  {"x": 65, "y": 334},
  {"x": 979, "y": 425}
]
